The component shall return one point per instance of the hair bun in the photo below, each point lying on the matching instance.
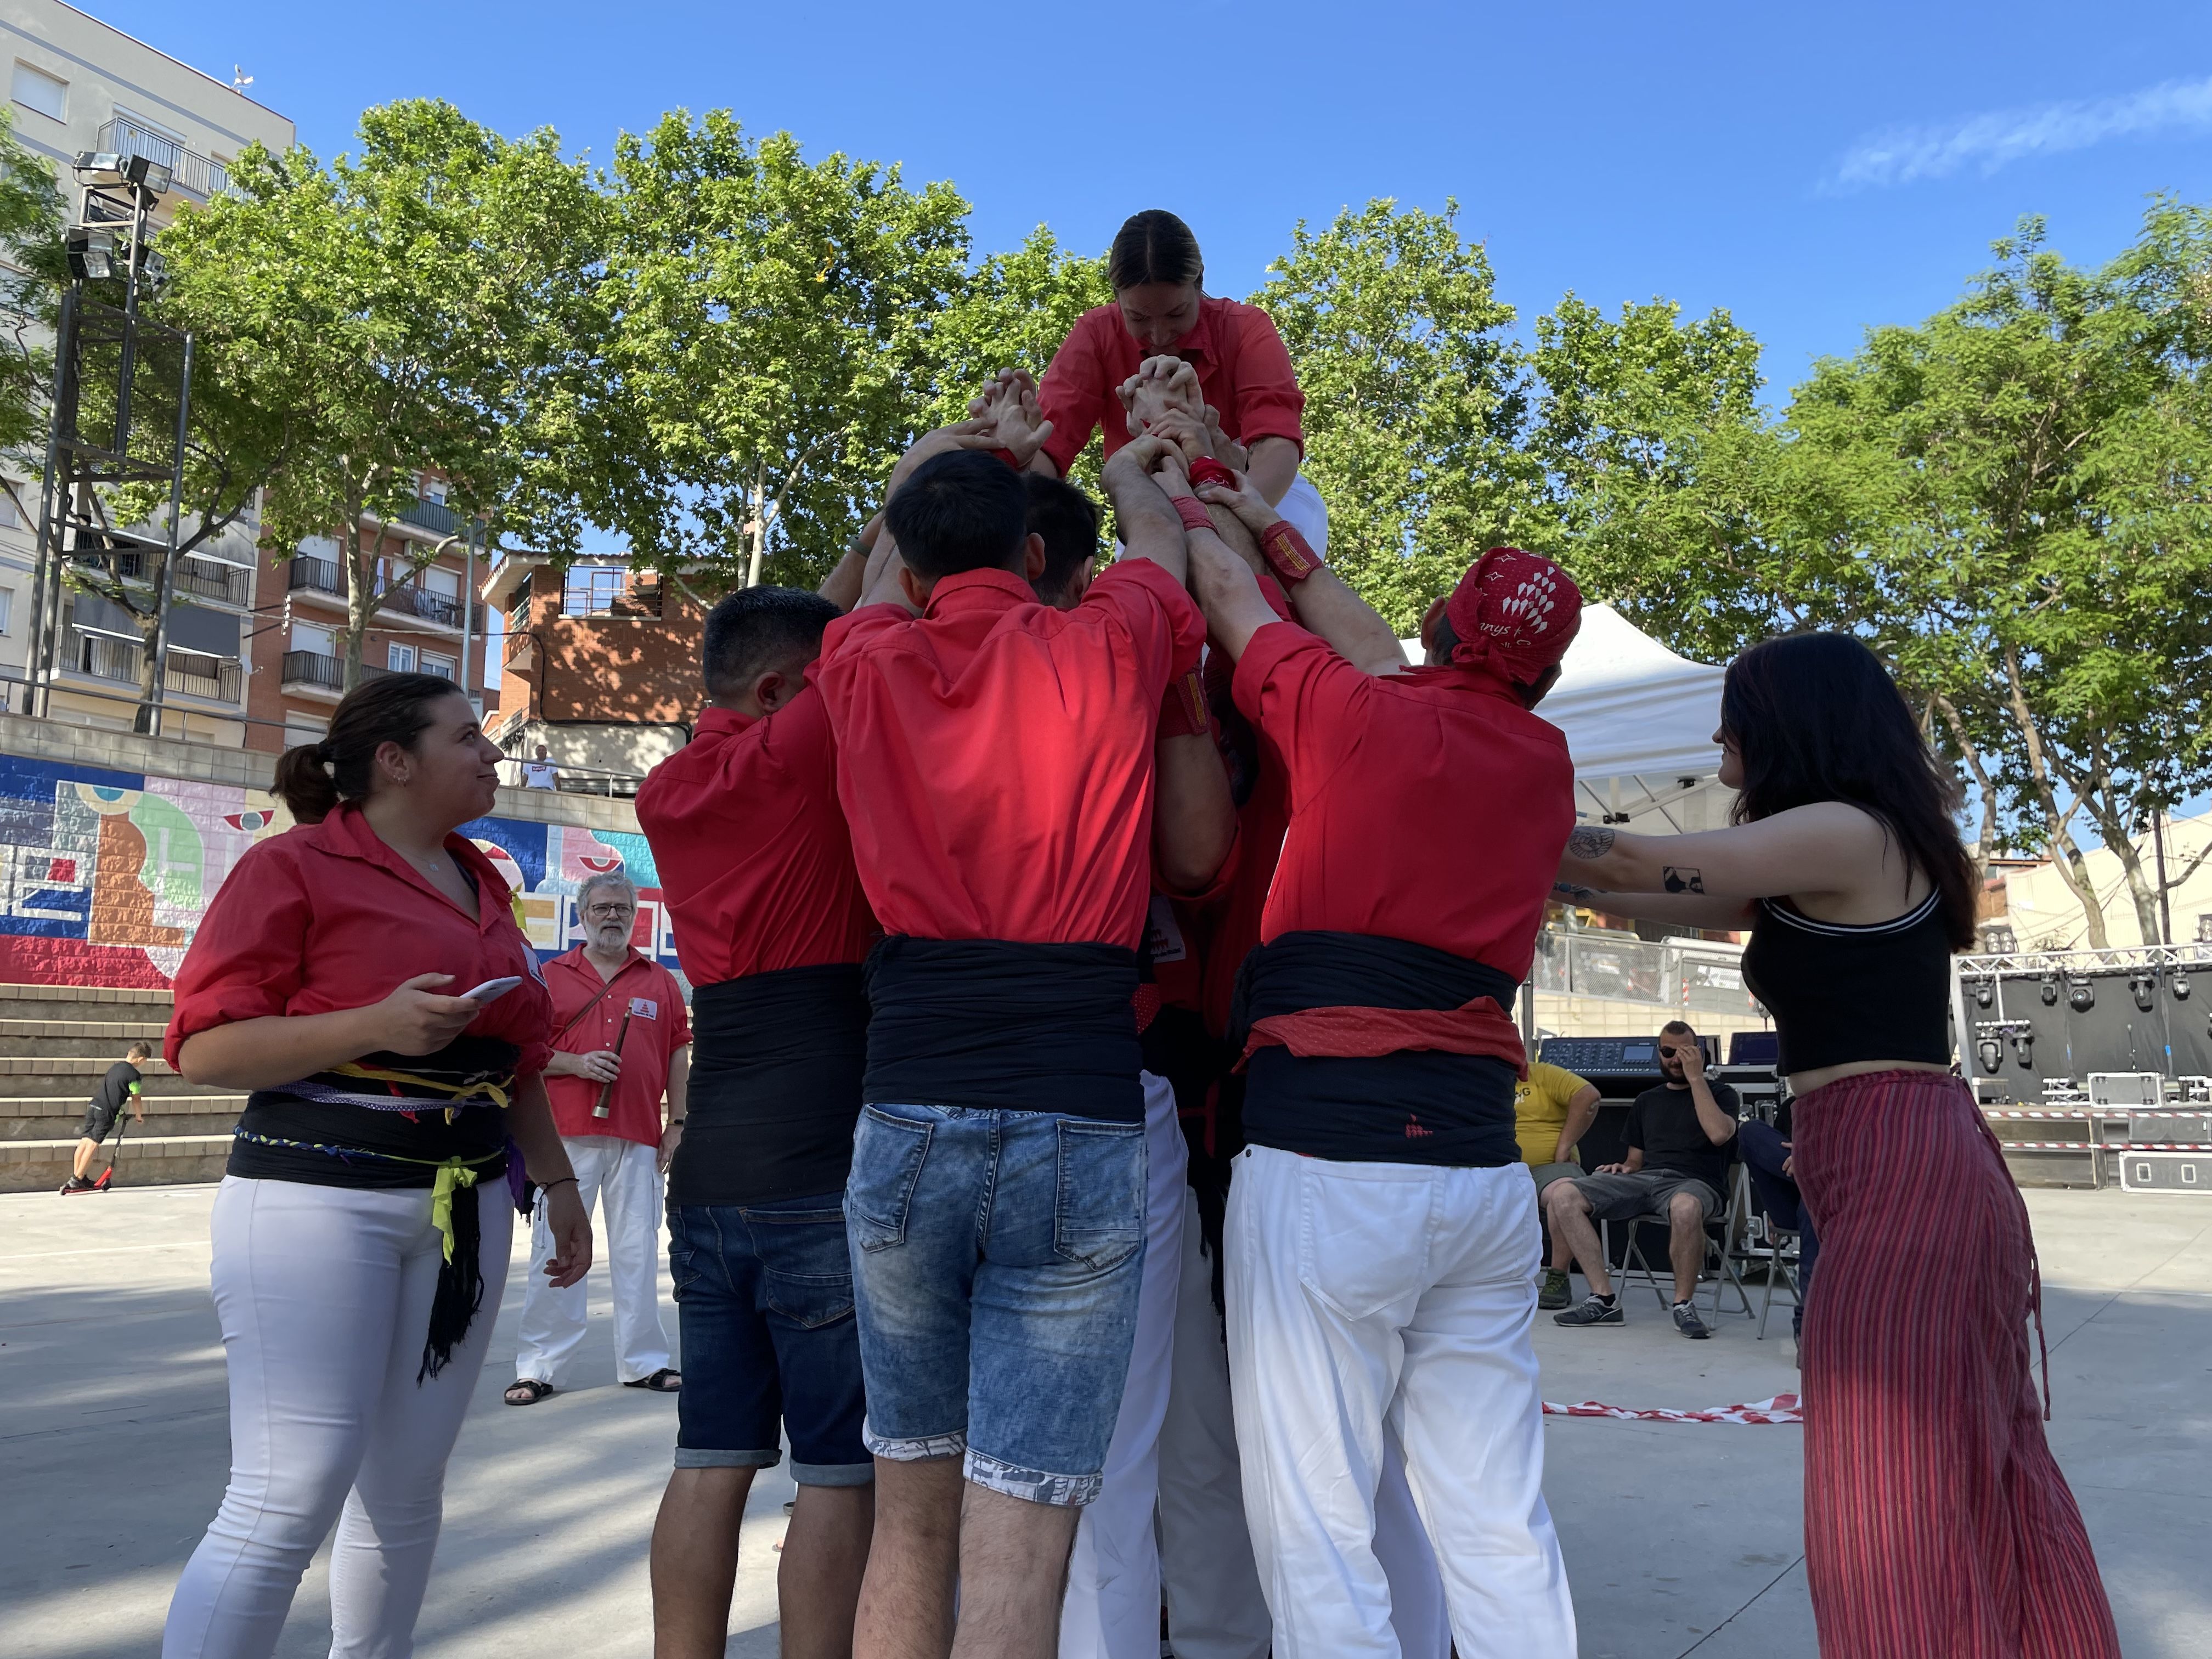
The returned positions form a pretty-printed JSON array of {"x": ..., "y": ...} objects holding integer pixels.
[{"x": 322, "y": 753}]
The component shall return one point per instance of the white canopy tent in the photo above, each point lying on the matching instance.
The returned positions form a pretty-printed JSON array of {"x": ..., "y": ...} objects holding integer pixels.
[{"x": 1639, "y": 721}]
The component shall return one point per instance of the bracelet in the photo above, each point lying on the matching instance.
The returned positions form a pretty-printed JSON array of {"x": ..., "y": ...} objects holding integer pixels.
[
  {"x": 1182, "y": 711},
  {"x": 1007, "y": 456},
  {"x": 1206, "y": 470},
  {"x": 548, "y": 1186},
  {"x": 1191, "y": 511},
  {"x": 1286, "y": 553}
]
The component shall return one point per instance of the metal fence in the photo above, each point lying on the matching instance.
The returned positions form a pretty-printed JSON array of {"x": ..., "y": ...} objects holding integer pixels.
[
  {"x": 187, "y": 671},
  {"x": 202, "y": 175},
  {"x": 1625, "y": 968}
]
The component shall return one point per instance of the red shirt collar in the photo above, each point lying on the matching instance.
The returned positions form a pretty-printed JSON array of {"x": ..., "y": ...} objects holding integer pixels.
[
  {"x": 346, "y": 833},
  {"x": 1458, "y": 676},
  {"x": 574, "y": 959},
  {"x": 724, "y": 721},
  {"x": 978, "y": 590}
]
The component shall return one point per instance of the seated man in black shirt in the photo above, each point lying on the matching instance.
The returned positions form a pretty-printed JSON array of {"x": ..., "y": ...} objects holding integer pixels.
[
  {"x": 1679, "y": 1138},
  {"x": 118, "y": 1089}
]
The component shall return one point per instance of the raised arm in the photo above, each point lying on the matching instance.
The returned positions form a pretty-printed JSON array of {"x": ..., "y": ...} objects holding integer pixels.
[
  {"x": 844, "y": 584},
  {"x": 1146, "y": 520},
  {"x": 1324, "y": 602},
  {"x": 1194, "y": 814}
]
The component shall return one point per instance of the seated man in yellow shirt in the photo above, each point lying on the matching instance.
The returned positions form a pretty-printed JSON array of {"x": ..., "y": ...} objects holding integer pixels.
[{"x": 1552, "y": 1111}]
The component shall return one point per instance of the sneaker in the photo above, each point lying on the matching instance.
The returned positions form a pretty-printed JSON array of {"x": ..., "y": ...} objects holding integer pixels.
[
  {"x": 1688, "y": 1323},
  {"x": 75, "y": 1185},
  {"x": 1552, "y": 1291},
  {"x": 1594, "y": 1311}
]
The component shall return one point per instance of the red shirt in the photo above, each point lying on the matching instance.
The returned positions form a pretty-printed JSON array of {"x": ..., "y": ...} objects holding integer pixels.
[
  {"x": 756, "y": 866},
  {"x": 995, "y": 756},
  {"x": 648, "y": 993},
  {"x": 326, "y": 917},
  {"x": 1241, "y": 366},
  {"x": 1428, "y": 806}
]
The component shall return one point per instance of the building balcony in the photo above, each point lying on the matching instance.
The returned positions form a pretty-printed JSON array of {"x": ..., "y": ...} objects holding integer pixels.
[
  {"x": 324, "y": 580},
  {"x": 205, "y": 579},
  {"x": 188, "y": 171},
  {"x": 312, "y": 674},
  {"x": 191, "y": 674}
]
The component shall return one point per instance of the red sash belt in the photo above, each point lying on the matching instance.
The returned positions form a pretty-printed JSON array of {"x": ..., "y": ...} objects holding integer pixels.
[{"x": 1479, "y": 1027}]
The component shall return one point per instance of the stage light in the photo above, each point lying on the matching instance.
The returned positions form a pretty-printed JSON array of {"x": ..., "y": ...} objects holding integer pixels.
[
  {"x": 1985, "y": 992},
  {"x": 2144, "y": 989},
  {"x": 2081, "y": 996},
  {"x": 2051, "y": 990},
  {"x": 1989, "y": 1052},
  {"x": 2023, "y": 1047},
  {"x": 2180, "y": 983}
]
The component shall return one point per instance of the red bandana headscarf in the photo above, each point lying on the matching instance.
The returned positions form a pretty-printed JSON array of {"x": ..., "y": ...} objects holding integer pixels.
[{"x": 1515, "y": 613}]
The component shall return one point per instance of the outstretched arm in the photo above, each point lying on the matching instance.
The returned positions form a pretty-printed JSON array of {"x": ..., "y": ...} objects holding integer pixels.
[
  {"x": 843, "y": 585},
  {"x": 1828, "y": 847},
  {"x": 1324, "y": 602},
  {"x": 1194, "y": 814}
]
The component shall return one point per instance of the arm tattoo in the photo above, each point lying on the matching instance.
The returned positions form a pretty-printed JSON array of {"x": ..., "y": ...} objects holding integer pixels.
[
  {"x": 1683, "y": 879},
  {"x": 1589, "y": 841}
]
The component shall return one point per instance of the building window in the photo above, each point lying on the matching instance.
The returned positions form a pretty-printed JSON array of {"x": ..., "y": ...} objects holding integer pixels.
[
  {"x": 431, "y": 489},
  {"x": 442, "y": 666},
  {"x": 591, "y": 590},
  {"x": 400, "y": 659},
  {"x": 2204, "y": 928},
  {"x": 306, "y": 636},
  {"x": 7, "y": 609},
  {"x": 46, "y": 94},
  {"x": 11, "y": 517},
  {"x": 300, "y": 731}
]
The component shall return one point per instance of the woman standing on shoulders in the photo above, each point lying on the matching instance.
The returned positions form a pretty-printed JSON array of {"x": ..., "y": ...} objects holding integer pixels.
[
  {"x": 1161, "y": 311},
  {"x": 358, "y": 1257},
  {"x": 1936, "y": 1520}
]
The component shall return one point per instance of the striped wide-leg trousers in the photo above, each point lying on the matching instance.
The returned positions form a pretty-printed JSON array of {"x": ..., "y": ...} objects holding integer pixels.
[{"x": 1936, "y": 1520}]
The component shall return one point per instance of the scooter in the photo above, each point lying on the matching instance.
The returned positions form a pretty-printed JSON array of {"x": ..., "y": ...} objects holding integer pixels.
[{"x": 107, "y": 1175}]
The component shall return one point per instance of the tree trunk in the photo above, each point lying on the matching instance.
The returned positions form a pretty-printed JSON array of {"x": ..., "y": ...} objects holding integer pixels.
[
  {"x": 360, "y": 594},
  {"x": 1985, "y": 838},
  {"x": 2106, "y": 816},
  {"x": 2066, "y": 857},
  {"x": 757, "y": 527},
  {"x": 147, "y": 668}
]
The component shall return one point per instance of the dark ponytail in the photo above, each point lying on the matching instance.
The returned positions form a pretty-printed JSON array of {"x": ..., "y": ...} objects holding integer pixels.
[
  {"x": 1153, "y": 246},
  {"x": 314, "y": 778}
]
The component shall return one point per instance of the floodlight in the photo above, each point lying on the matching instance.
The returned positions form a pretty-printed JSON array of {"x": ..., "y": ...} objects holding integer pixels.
[
  {"x": 107, "y": 164},
  {"x": 148, "y": 174},
  {"x": 92, "y": 255}
]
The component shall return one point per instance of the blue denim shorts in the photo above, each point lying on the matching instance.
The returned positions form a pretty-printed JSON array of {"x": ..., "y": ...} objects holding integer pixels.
[
  {"x": 997, "y": 1257},
  {"x": 765, "y": 1305}
]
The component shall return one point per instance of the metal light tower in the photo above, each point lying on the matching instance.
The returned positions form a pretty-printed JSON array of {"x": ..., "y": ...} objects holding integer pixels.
[{"x": 108, "y": 241}]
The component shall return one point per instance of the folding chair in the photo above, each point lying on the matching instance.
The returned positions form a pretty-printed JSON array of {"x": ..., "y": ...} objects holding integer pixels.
[
  {"x": 1720, "y": 1232},
  {"x": 1776, "y": 1264}
]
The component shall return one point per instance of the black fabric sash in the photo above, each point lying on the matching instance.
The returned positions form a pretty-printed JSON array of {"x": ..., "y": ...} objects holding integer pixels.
[
  {"x": 1421, "y": 1107},
  {"x": 776, "y": 1060},
  {"x": 1000, "y": 1026}
]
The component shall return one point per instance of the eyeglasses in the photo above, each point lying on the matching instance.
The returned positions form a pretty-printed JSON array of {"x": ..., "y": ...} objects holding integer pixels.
[{"x": 610, "y": 912}]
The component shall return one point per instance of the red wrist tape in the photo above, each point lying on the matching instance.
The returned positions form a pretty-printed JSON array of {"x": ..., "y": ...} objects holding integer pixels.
[
  {"x": 1182, "y": 711},
  {"x": 1191, "y": 511},
  {"x": 1007, "y": 456},
  {"x": 1286, "y": 553},
  {"x": 1206, "y": 470}
]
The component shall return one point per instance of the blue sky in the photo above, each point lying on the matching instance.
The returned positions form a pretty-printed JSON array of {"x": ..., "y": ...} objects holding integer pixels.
[{"x": 1812, "y": 169}]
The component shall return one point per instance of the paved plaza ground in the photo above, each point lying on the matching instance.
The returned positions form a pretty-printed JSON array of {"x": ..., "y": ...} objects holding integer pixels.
[{"x": 1680, "y": 1539}]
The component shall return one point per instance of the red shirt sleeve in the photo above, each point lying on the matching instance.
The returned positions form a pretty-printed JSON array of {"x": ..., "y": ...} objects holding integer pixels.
[
  {"x": 855, "y": 629},
  {"x": 1310, "y": 703},
  {"x": 675, "y": 1018},
  {"x": 1268, "y": 402},
  {"x": 1073, "y": 393},
  {"x": 246, "y": 960},
  {"x": 1161, "y": 619}
]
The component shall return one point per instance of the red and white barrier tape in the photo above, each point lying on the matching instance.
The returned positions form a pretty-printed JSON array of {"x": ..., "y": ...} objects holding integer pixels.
[{"x": 1783, "y": 1408}]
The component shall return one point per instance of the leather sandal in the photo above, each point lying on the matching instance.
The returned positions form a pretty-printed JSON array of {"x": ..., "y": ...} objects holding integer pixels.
[
  {"x": 527, "y": 1391},
  {"x": 666, "y": 1380}
]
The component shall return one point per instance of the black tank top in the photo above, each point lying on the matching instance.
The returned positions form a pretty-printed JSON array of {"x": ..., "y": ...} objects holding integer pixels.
[{"x": 1841, "y": 992}]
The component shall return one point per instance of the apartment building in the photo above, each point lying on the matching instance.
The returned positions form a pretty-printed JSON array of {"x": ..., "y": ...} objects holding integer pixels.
[
  {"x": 79, "y": 85},
  {"x": 429, "y": 624},
  {"x": 599, "y": 663}
]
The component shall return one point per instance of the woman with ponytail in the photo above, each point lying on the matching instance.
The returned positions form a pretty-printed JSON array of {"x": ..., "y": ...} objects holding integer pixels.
[{"x": 358, "y": 1257}]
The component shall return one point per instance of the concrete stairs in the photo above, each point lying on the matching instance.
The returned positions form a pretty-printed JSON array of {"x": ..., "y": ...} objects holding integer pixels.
[{"x": 56, "y": 1043}]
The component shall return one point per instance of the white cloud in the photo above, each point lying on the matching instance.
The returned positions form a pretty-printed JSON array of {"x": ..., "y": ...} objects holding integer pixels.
[{"x": 1902, "y": 154}]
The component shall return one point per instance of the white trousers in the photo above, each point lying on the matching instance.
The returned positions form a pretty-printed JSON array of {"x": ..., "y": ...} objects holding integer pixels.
[
  {"x": 1112, "y": 1609},
  {"x": 1215, "y": 1610},
  {"x": 623, "y": 1177},
  {"x": 1370, "y": 1297},
  {"x": 323, "y": 1296},
  {"x": 1303, "y": 506}
]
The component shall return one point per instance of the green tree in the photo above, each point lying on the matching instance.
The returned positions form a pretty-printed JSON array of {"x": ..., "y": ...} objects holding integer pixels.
[
  {"x": 771, "y": 323},
  {"x": 32, "y": 274},
  {"x": 429, "y": 306},
  {"x": 1415, "y": 399}
]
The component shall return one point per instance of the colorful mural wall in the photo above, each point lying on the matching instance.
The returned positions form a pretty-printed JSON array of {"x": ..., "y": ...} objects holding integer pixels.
[{"x": 103, "y": 875}]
